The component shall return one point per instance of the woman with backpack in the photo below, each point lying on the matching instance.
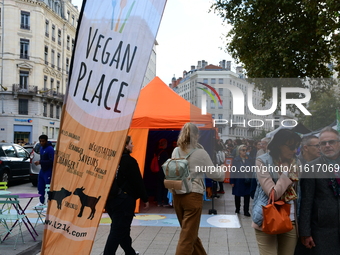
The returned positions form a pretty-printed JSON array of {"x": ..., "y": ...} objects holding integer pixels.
[{"x": 188, "y": 206}]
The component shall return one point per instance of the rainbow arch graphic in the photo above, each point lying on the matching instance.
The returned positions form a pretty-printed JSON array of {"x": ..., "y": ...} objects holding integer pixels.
[{"x": 210, "y": 94}]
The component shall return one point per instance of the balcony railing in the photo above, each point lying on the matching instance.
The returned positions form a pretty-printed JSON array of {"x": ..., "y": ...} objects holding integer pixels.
[
  {"x": 21, "y": 89},
  {"x": 51, "y": 94}
]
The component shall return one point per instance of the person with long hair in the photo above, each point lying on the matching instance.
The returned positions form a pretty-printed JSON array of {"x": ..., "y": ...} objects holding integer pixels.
[
  {"x": 127, "y": 187},
  {"x": 278, "y": 170},
  {"x": 188, "y": 207}
]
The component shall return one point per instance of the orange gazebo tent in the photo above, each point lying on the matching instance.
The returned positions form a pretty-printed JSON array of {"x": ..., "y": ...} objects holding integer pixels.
[{"x": 159, "y": 107}]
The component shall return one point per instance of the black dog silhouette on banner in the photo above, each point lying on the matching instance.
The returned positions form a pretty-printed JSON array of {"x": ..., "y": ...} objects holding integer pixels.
[
  {"x": 86, "y": 201},
  {"x": 58, "y": 195}
]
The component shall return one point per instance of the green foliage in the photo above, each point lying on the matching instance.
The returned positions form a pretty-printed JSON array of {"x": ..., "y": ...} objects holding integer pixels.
[
  {"x": 283, "y": 38},
  {"x": 323, "y": 110}
]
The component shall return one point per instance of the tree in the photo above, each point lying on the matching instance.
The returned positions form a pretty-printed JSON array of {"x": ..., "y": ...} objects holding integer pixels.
[
  {"x": 283, "y": 38},
  {"x": 323, "y": 110}
]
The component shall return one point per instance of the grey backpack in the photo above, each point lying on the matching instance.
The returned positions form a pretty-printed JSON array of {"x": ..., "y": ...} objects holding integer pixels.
[{"x": 177, "y": 174}]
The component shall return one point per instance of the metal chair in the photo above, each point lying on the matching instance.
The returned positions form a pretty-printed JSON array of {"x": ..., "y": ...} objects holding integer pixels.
[
  {"x": 41, "y": 209},
  {"x": 3, "y": 186},
  {"x": 11, "y": 219}
]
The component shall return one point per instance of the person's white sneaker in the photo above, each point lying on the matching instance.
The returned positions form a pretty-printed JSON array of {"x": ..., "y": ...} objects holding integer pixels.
[{"x": 38, "y": 205}]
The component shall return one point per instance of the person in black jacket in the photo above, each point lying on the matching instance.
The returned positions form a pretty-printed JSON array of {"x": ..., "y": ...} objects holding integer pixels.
[{"x": 126, "y": 188}]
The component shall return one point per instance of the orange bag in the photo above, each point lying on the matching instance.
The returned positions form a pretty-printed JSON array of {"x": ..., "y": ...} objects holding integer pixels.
[{"x": 276, "y": 216}]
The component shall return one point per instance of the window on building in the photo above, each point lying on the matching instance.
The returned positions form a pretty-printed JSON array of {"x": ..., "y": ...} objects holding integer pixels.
[
  {"x": 51, "y": 110},
  {"x": 220, "y": 106},
  {"x": 46, "y": 55},
  {"x": 59, "y": 36},
  {"x": 52, "y": 58},
  {"x": 220, "y": 116},
  {"x": 68, "y": 15},
  {"x": 58, "y": 61},
  {"x": 212, "y": 104},
  {"x": 72, "y": 44},
  {"x": 68, "y": 42},
  {"x": 67, "y": 64},
  {"x": 213, "y": 81},
  {"x": 45, "y": 82},
  {"x": 205, "y": 80},
  {"x": 45, "y": 110},
  {"x": 213, "y": 115},
  {"x": 220, "y": 91},
  {"x": 57, "y": 112},
  {"x": 58, "y": 86},
  {"x": 25, "y": 20},
  {"x": 47, "y": 23},
  {"x": 72, "y": 20},
  {"x": 24, "y": 47},
  {"x": 23, "y": 79},
  {"x": 23, "y": 106},
  {"x": 220, "y": 81},
  {"x": 53, "y": 33},
  {"x": 52, "y": 84}
]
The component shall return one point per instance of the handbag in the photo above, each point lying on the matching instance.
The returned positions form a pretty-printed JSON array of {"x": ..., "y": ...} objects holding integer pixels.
[{"x": 276, "y": 216}]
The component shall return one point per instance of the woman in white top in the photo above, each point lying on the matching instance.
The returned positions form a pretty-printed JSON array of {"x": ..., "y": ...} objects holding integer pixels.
[{"x": 188, "y": 206}]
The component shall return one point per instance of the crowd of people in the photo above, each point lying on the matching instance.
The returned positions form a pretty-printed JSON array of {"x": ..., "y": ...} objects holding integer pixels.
[{"x": 313, "y": 198}]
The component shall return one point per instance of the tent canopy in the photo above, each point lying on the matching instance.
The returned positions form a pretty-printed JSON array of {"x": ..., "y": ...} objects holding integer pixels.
[{"x": 159, "y": 107}]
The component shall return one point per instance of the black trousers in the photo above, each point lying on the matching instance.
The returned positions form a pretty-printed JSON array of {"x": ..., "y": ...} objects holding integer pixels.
[
  {"x": 121, "y": 211},
  {"x": 245, "y": 205}
]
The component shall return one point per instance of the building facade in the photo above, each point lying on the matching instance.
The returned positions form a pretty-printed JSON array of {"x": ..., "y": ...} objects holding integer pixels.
[
  {"x": 231, "y": 125},
  {"x": 37, "y": 40}
]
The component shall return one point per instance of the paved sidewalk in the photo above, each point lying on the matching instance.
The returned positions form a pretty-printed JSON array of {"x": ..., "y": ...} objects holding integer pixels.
[{"x": 159, "y": 240}]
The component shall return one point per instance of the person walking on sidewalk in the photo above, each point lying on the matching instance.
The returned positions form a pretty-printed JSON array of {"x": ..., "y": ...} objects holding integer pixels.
[
  {"x": 281, "y": 156},
  {"x": 188, "y": 207},
  {"x": 46, "y": 162},
  {"x": 127, "y": 187},
  {"x": 240, "y": 181}
]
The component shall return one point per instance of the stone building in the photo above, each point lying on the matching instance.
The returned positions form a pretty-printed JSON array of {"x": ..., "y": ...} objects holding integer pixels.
[
  {"x": 228, "y": 84},
  {"x": 37, "y": 39}
]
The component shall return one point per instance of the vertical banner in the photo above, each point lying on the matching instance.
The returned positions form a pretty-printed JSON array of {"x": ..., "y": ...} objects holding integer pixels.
[{"x": 113, "y": 46}]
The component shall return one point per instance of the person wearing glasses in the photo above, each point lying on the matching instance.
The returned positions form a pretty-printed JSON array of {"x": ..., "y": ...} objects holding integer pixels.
[
  {"x": 278, "y": 170},
  {"x": 319, "y": 219},
  {"x": 240, "y": 181},
  {"x": 310, "y": 149}
]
